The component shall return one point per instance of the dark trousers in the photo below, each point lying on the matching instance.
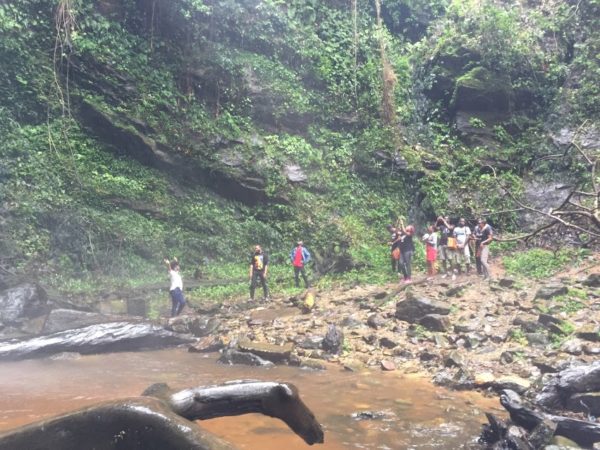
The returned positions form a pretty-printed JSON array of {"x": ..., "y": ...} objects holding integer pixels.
[
  {"x": 177, "y": 301},
  {"x": 406, "y": 264},
  {"x": 297, "y": 272},
  {"x": 258, "y": 275}
]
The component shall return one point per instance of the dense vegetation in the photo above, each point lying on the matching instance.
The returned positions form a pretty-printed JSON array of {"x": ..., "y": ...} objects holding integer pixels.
[{"x": 135, "y": 129}]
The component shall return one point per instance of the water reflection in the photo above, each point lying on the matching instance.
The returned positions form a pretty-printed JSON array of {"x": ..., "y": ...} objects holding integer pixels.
[{"x": 409, "y": 413}]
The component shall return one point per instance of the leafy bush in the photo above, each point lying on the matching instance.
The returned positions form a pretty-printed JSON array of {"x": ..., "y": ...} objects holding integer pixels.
[{"x": 538, "y": 263}]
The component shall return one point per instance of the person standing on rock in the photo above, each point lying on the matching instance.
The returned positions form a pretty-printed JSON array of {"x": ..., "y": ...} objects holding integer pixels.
[
  {"x": 445, "y": 254},
  {"x": 484, "y": 237},
  {"x": 176, "y": 287},
  {"x": 407, "y": 249},
  {"x": 259, "y": 266},
  {"x": 462, "y": 234},
  {"x": 430, "y": 239},
  {"x": 299, "y": 256}
]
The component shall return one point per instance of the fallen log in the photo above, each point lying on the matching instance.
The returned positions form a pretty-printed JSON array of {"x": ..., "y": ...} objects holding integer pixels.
[
  {"x": 279, "y": 400},
  {"x": 162, "y": 419},
  {"x": 580, "y": 431}
]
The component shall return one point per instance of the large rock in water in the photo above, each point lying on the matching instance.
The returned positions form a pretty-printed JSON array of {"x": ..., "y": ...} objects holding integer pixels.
[
  {"x": 69, "y": 319},
  {"x": 108, "y": 337},
  {"x": 24, "y": 301},
  {"x": 413, "y": 309},
  {"x": 139, "y": 423}
]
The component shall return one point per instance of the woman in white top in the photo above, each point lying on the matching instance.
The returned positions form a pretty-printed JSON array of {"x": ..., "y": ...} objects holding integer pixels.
[{"x": 176, "y": 287}]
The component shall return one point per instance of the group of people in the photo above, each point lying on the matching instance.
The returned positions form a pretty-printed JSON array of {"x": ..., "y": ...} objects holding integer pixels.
[
  {"x": 259, "y": 268},
  {"x": 452, "y": 244}
]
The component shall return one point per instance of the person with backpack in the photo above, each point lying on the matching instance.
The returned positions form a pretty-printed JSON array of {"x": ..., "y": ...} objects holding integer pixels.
[
  {"x": 462, "y": 234},
  {"x": 176, "y": 287},
  {"x": 483, "y": 238},
  {"x": 299, "y": 256},
  {"x": 259, "y": 267}
]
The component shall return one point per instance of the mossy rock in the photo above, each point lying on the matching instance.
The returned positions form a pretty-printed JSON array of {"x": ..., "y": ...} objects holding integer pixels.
[{"x": 481, "y": 90}]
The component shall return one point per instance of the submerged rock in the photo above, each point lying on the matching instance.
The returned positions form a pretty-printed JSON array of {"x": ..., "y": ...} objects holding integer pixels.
[{"x": 232, "y": 356}]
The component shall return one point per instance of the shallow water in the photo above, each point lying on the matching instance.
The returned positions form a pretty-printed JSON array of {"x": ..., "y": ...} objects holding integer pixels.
[{"x": 417, "y": 415}]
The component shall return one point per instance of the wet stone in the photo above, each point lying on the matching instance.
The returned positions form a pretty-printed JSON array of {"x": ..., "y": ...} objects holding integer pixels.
[
  {"x": 590, "y": 333},
  {"x": 413, "y": 309},
  {"x": 207, "y": 344},
  {"x": 572, "y": 346},
  {"x": 231, "y": 356},
  {"x": 311, "y": 342},
  {"x": 454, "y": 359},
  {"x": 376, "y": 321},
  {"x": 537, "y": 339},
  {"x": 593, "y": 280},
  {"x": 551, "y": 290},
  {"x": 435, "y": 322},
  {"x": 588, "y": 403},
  {"x": 270, "y": 352},
  {"x": 387, "y": 365},
  {"x": 386, "y": 342},
  {"x": 506, "y": 282},
  {"x": 312, "y": 364}
]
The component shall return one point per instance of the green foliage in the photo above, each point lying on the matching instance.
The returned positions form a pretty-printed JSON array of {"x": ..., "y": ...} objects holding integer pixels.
[{"x": 538, "y": 263}]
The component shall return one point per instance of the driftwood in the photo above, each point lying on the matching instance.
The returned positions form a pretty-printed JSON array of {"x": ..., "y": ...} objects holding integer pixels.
[
  {"x": 580, "y": 431},
  {"x": 165, "y": 421}
]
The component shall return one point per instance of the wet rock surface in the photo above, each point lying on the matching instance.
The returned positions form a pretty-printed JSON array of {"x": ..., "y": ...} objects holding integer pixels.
[{"x": 101, "y": 338}]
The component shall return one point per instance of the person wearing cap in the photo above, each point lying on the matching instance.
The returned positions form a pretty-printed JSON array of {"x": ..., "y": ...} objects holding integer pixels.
[
  {"x": 299, "y": 256},
  {"x": 259, "y": 267}
]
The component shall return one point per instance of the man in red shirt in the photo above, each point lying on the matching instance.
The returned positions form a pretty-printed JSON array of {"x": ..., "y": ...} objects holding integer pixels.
[{"x": 299, "y": 256}]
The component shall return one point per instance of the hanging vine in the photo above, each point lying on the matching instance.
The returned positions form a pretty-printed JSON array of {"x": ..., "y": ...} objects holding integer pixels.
[{"x": 388, "y": 75}]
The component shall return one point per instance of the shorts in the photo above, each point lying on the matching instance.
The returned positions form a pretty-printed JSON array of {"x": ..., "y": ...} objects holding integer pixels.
[
  {"x": 463, "y": 255},
  {"x": 446, "y": 254},
  {"x": 431, "y": 253}
]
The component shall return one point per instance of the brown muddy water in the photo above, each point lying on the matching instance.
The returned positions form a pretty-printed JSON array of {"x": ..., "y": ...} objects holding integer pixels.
[{"x": 417, "y": 415}]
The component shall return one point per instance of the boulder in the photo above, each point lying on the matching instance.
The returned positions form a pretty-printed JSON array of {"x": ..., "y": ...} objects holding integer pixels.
[
  {"x": 232, "y": 356},
  {"x": 415, "y": 308},
  {"x": 481, "y": 90},
  {"x": 435, "y": 322},
  {"x": 334, "y": 340},
  {"x": 376, "y": 321},
  {"x": 270, "y": 352},
  {"x": 386, "y": 342},
  {"x": 551, "y": 290},
  {"x": 69, "y": 319},
  {"x": 589, "y": 333},
  {"x": 100, "y": 338},
  {"x": 199, "y": 326},
  {"x": 207, "y": 344},
  {"x": 588, "y": 402},
  {"x": 25, "y": 301},
  {"x": 593, "y": 280}
]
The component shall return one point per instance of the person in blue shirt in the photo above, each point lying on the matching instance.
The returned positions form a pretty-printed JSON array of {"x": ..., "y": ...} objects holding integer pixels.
[{"x": 299, "y": 256}]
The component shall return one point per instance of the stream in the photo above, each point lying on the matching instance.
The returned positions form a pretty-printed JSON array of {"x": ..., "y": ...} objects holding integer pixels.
[{"x": 416, "y": 414}]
